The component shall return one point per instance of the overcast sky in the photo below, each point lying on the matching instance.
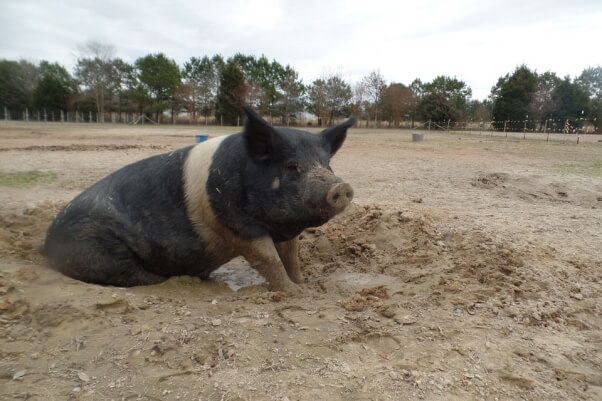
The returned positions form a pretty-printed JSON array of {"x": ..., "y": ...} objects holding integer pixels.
[{"x": 474, "y": 40}]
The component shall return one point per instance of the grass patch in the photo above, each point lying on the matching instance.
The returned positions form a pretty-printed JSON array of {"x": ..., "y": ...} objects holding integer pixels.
[{"x": 26, "y": 178}]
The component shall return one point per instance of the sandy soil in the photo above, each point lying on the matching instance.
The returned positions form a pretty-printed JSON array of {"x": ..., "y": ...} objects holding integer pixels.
[{"x": 468, "y": 268}]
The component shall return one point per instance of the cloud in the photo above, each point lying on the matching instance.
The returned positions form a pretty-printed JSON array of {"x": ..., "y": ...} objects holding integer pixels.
[{"x": 473, "y": 40}]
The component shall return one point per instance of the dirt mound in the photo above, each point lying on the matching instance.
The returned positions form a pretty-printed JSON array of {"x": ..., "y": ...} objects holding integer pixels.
[
  {"x": 414, "y": 253},
  {"x": 407, "y": 244},
  {"x": 585, "y": 193},
  {"x": 23, "y": 232},
  {"x": 80, "y": 148},
  {"x": 491, "y": 180}
]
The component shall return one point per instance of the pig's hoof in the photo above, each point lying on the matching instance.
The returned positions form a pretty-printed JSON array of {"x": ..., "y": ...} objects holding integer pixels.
[
  {"x": 289, "y": 287},
  {"x": 296, "y": 278}
]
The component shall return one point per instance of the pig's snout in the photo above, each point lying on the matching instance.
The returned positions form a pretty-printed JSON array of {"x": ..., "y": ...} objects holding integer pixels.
[{"x": 339, "y": 196}]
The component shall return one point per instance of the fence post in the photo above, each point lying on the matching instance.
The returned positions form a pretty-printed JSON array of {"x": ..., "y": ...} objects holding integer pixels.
[
  {"x": 525, "y": 130},
  {"x": 545, "y": 129},
  {"x": 26, "y": 114},
  {"x": 429, "y": 124},
  {"x": 448, "y": 120},
  {"x": 89, "y": 116},
  {"x": 5, "y": 114}
]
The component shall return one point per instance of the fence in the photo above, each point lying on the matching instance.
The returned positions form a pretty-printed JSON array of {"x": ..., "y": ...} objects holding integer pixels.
[
  {"x": 45, "y": 115},
  {"x": 545, "y": 126}
]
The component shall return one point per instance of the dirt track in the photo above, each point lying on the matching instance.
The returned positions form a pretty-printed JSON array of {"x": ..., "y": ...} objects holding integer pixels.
[{"x": 469, "y": 267}]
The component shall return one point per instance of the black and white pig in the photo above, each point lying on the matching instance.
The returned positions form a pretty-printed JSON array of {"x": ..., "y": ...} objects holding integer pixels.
[{"x": 189, "y": 211}]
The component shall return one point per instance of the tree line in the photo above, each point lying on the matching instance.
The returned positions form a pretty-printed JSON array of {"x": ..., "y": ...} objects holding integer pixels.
[{"x": 211, "y": 88}]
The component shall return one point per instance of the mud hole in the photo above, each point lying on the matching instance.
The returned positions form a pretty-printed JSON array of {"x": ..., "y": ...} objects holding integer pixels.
[{"x": 474, "y": 281}]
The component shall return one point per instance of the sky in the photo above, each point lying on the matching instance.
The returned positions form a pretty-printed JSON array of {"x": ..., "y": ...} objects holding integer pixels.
[{"x": 477, "y": 41}]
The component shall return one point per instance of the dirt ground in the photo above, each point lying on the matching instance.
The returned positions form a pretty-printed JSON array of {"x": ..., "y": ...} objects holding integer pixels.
[{"x": 468, "y": 268}]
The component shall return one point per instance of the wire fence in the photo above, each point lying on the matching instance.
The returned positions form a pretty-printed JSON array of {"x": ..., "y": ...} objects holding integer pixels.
[
  {"x": 544, "y": 127},
  {"x": 115, "y": 117},
  {"x": 550, "y": 125},
  {"x": 46, "y": 115}
]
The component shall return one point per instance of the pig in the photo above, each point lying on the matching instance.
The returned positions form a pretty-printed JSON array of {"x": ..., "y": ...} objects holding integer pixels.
[{"x": 189, "y": 211}]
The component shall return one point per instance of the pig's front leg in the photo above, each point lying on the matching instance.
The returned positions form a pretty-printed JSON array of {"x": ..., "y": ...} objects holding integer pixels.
[
  {"x": 289, "y": 251},
  {"x": 263, "y": 257}
]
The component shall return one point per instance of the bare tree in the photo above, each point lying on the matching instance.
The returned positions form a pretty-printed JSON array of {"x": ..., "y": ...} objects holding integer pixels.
[
  {"x": 375, "y": 85},
  {"x": 358, "y": 105},
  {"x": 542, "y": 103},
  {"x": 96, "y": 70}
]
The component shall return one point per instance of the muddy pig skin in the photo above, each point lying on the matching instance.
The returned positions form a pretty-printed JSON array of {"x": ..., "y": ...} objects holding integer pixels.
[{"x": 189, "y": 211}]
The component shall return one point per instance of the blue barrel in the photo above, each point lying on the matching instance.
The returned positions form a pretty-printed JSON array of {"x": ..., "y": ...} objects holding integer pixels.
[{"x": 201, "y": 138}]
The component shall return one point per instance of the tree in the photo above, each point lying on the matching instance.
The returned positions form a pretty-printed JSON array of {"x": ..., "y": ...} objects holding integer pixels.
[
  {"x": 374, "y": 86},
  {"x": 16, "y": 91},
  {"x": 542, "y": 104},
  {"x": 318, "y": 100},
  {"x": 97, "y": 72},
  {"x": 358, "y": 102},
  {"x": 591, "y": 80},
  {"x": 329, "y": 98},
  {"x": 572, "y": 102},
  {"x": 231, "y": 95},
  {"x": 122, "y": 85},
  {"x": 55, "y": 89},
  {"x": 417, "y": 88},
  {"x": 51, "y": 94},
  {"x": 479, "y": 110},
  {"x": 436, "y": 107},
  {"x": 200, "y": 88},
  {"x": 396, "y": 101},
  {"x": 292, "y": 93},
  {"x": 452, "y": 91},
  {"x": 58, "y": 72},
  {"x": 160, "y": 78},
  {"x": 263, "y": 81},
  {"x": 512, "y": 95},
  {"x": 253, "y": 71}
]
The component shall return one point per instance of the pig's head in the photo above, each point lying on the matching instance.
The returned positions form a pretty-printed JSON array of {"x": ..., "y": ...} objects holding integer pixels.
[{"x": 288, "y": 181}]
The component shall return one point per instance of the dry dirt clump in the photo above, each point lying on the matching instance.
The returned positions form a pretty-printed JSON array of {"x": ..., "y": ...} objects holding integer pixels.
[
  {"x": 416, "y": 247},
  {"x": 23, "y": 231}
]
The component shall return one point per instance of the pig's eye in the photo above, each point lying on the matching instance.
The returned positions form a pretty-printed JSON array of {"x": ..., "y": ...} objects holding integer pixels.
[{"x": 292, "y": 168}]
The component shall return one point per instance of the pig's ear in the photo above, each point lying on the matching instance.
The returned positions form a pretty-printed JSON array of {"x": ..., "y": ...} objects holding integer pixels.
[
  {"x": 261, "y": 137},
  {"x": 335, "y": 136}
]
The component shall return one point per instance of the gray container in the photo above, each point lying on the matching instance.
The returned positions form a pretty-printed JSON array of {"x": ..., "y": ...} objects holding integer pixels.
[{"x": 417, "y": 136}]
